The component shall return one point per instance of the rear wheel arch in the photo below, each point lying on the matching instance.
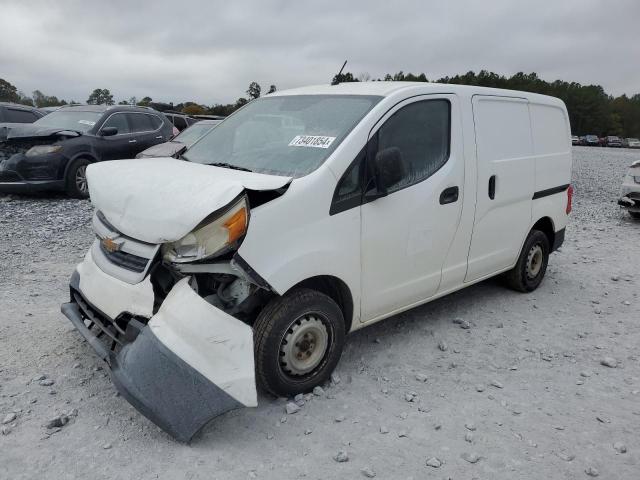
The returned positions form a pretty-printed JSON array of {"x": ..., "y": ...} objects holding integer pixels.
[{"x": 546, "y": 226}]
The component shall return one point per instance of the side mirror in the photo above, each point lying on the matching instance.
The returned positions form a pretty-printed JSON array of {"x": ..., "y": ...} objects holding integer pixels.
[
  {"x": 109, "y": 131},
  {"x": 390, "y": 168}
]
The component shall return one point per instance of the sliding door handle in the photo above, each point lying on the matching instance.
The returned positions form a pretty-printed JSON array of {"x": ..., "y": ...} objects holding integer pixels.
[{"x": 492, "y": 187}]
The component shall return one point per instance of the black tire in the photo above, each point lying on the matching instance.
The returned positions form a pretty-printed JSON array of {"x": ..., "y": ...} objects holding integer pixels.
[
  {"x": 635, "y": 215},
  {"x": 528, "y": 273},
  {"x": 283, "y": 317},
  {"x": 76, "y": 179}
]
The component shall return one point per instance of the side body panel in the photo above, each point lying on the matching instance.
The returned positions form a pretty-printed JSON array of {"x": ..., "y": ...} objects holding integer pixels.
[
  {"x": 506, "y": 172},
  {"x": 552, "y": 148}
]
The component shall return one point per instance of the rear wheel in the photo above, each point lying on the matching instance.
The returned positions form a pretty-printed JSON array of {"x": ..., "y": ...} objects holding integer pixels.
[
  {"x": 76, "y": 180},
  {"x": 529, "y": 271},
  {"x": 298, "y": 341}
]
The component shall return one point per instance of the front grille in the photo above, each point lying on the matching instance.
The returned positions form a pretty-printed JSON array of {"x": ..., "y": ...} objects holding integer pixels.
[
  {"x": 9, "y": 177},
  {"x": 126, "y": 260},
  {"x": 108, "y": 330}
]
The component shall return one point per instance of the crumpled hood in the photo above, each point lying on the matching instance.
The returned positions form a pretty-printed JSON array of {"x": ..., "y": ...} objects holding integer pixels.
[
  {"x": 159, "y": 200},
  {"x": 10, "y": 131}
]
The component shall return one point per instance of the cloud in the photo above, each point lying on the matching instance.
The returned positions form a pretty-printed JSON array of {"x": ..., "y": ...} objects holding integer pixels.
[{"x": 209, "y": 51}]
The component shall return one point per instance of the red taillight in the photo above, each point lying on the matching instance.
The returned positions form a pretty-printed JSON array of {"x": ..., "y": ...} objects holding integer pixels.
[{"x": 569, "y": 199}]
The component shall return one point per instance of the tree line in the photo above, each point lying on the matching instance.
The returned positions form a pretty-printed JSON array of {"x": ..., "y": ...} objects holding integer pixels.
[{"x": 591, "y": 109}]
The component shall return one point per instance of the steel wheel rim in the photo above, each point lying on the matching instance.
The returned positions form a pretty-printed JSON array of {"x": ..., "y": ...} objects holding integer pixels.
[
  {"x": 304, "y": 345},
  {"x": 81, "y": 179},
  {"x": 534, "y": 261}
]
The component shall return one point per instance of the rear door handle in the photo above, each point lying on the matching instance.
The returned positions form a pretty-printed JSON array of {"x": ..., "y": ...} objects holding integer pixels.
[
  {"x": 133, "y": 141},
  {"x": 449, "y": 195},
  {"x": 492, "y": 187},
  {"x": 159, "y": 137}
]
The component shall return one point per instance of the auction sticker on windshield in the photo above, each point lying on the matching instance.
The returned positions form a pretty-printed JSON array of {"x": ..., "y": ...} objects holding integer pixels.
[
  {"x": 315, "y": 141},
  {"x": 87, "y": 122}
]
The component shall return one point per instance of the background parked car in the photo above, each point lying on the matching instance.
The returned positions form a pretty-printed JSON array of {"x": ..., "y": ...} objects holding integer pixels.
[
  {"x": 180, "y": 142},
  {"x": 180, "y": 120},
  {"x": 53, "y": 152},
  {"x": 631, "y": 143},
  {"x": 575, "y": 140},
  {"x": 630, "y": 191},
  {"x": 612, "y": 141},
  {"x": 591, "y": 141},
  {"x": 15, "y": 113}
]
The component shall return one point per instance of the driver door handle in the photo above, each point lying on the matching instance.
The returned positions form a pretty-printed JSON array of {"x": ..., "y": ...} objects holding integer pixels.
[
  {"x": 449, "y": 195},
  {"x": 133, "y": 141}
]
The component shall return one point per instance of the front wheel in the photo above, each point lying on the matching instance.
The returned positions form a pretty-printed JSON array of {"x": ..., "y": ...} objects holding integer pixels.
[
  {"x": 635, "y": 215},
  {"x": 298, "y": 341},
  {"x": 76, "y": 180},
  {"x": 528, "y": 273}
]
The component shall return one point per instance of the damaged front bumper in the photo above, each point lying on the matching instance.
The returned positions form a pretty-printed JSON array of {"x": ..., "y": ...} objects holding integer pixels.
[
  {"x": 188, "y": 364},
  {"x": 630, "y": 203}
]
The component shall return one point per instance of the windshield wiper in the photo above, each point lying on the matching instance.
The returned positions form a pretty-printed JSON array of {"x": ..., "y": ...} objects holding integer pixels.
[{"x": 228, "y": 165}]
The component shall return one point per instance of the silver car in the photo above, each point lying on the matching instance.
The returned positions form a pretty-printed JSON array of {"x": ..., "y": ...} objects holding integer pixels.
[
  {"x": 180, "y": 142},
  {"x": 630, "y": 193}
]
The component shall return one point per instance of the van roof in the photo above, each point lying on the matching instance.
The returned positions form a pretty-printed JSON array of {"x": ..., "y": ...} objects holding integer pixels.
[{"x": 386, "y": 88}]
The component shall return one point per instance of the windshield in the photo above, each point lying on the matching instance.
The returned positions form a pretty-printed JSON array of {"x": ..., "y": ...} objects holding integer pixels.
[
  {"x": 288, "y": 135},
  {"x": 70, "y": 119},
  {"x": 193, "y": 133}
]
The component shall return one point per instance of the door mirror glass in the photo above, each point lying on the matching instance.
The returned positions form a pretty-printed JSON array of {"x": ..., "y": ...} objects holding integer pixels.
[
  {"x": 390, "y": 168},
  {"x": 109, "y": 131}
]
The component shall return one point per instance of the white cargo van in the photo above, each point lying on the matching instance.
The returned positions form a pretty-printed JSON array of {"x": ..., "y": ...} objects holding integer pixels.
[{"x": 303, "y": 216}]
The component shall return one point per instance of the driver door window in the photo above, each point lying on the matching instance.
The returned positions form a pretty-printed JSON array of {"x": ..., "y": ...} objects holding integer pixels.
[{"x": 421, "y": 133}]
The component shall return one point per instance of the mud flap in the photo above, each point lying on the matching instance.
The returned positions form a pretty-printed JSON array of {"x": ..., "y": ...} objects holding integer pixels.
[{"x": 189, "y": 364}]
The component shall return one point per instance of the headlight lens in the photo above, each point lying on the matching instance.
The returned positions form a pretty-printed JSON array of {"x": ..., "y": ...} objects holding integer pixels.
[
  {"x": 42, "y": 150},
  {"x": 210, "y": 237}
]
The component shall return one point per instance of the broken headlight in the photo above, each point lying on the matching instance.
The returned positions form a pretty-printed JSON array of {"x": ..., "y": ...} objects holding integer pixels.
[{"x": 213, "y": 236}]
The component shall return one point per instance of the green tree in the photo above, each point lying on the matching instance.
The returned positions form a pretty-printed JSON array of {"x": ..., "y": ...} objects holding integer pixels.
[
  {"x": 100, "y": 96},
  {"x": 193, "y": 109},
  {"x": 42, "y": 100},
  {"x": 145, "y": 101},
  {"x": 8, "y": 92},
  {"x": 254, "y": 90},
  {"x": 343, "y": 78}
]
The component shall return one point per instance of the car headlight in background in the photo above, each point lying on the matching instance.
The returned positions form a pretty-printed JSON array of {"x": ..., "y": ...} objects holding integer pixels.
[
  {"x": 42, "y": 150},
  {"x": 211, "y": 237}
]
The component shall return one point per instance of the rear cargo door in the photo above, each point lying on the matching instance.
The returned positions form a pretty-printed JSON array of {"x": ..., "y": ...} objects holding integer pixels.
[{"x": 506, "y": 170}]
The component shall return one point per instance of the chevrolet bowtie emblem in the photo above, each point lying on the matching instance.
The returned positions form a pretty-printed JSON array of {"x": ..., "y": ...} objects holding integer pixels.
[{"x": 110, "y": 245}]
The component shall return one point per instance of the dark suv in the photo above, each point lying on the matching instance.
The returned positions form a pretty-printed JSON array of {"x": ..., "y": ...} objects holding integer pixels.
[
  {"x": 15, "y": 113},
  {"x": 53, "y": 152}
]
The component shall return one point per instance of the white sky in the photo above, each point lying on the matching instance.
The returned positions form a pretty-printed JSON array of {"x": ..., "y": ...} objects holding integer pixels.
[{"x": 209, "y": 51}]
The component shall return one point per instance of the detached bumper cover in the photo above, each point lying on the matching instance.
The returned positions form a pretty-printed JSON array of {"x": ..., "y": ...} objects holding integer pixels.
[{"x": 189, "y": 364}]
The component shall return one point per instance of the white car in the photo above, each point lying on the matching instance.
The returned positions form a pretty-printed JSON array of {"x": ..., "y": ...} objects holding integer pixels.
[
  {"x": 630, "y": 192},
  {"x": 632, "y": 143},
  {"x": 306, "y": 215}
]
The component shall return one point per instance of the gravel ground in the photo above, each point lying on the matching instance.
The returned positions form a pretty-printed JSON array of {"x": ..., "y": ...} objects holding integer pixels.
[{"x": 521, "y": 393}]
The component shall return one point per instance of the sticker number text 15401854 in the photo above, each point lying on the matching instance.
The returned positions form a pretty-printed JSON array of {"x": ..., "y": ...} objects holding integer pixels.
[{"x": 315, "y": 141}]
